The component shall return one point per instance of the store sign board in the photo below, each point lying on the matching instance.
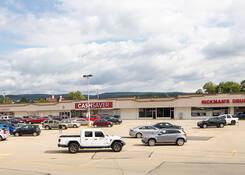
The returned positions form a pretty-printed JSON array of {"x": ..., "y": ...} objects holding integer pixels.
[
  {"x": 223, "y": 101},
  {"x": 93, "y": 105}
]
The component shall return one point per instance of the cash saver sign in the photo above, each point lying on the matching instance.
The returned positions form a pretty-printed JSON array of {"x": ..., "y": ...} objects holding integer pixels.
[
  {"x": 94, "y": 105},
  {"x": 223, "y": 101}
]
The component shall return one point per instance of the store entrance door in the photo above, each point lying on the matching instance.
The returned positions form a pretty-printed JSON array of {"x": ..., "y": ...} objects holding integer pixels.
[{"x": 154, "y": 113}]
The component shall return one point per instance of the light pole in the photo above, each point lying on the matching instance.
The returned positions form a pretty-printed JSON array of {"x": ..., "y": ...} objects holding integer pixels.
[{"x": 88, "y": 76}]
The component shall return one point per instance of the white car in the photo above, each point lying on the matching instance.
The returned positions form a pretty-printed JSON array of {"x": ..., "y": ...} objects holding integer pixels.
[
  {"x": 90, "y": 138},
  {"x": 230, "y": 120},
  {"x": 4, "y": 134}
]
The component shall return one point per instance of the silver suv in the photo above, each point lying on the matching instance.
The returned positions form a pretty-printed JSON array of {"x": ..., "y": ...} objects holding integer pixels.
[
  {"x": 177, "y": 136},
  {"x": 54, "y": 124},
  {"x": 71, "y": 123},
  {"x": 139, "y": 131}
]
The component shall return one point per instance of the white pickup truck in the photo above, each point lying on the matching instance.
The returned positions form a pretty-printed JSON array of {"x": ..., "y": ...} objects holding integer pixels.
[
  {"x": 230, "y": 120},
  {"x": 90, "y": 138}
]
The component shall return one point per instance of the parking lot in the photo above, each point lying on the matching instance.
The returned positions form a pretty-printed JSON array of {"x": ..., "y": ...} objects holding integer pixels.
[{"x": 207, "y": 151}]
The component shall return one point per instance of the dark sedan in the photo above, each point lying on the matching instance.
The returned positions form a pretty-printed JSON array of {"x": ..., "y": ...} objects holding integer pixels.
[
  {"x": 27, "y": 130},
  {"x": 215, "y": 121},
  {"x": 241, "y": 116},
  {"x": 113, "y": 119},
  {"x": 166, "y": 125}
]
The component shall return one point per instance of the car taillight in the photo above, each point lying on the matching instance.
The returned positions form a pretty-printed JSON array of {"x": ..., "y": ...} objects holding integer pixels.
[
  {"x": 185, "y": 134},
  {"x": 4, "y": 132}
]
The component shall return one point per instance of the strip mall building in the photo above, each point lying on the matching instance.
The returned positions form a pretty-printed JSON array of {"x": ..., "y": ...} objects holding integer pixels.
[{"x": 181, "y": 107}]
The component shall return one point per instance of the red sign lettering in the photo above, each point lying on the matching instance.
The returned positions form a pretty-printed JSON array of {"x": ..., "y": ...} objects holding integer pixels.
[
  {"x": 238, "y": 101},
  {"x": 215, "y": 101},
  {"x": 223, "y": 101},
  {"x": 94, "y": 105}
]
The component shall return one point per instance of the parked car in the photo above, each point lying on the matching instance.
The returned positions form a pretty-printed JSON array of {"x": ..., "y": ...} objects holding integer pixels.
[
  {"x": 230, "y": 120},
  {"x": 139, "y": 131},
  {"x": 166, "y": 125},
  {"x": 54, "y": 124},
  {"x": 9, "y": 126},
  {"x": 19, "y": 125},
  {"x": 240, "y": 116},
  {"x": 16, "y": 120},
  {"x": 6, "y": 117},
  {"x": 33, "y": 119},
  {"x": 59, "y": 118},
  {"x": 92, "y": 117},
  {"x": 215, "y": 121},
  {"x": 81, "y": 121},
  {"x": 71, "y": 123},
  {"x": 90, "y": 138},
  {"x": 4, "y": 134},
  {"x": 27, "y": 130},
  {"x": 177, "y": 136},
  {"x": 2, "y": 121},
  {"x": 102, "y": 122},
  {"x": 112, "y": 119},
  {"x": 47, "y": 117}
]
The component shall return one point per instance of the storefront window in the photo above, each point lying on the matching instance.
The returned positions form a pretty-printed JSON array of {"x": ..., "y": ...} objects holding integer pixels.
[
  {"x": 239, "y": 110},
  {"x": 202, "y": 112},
  {"x": 64, "y": 114},
  {"x": 146, "y": 112},
  {"x": 156, "y": 112}
]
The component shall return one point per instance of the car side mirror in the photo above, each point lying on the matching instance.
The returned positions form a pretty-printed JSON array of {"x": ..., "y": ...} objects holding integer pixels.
[{"x": 159, "y": 134}]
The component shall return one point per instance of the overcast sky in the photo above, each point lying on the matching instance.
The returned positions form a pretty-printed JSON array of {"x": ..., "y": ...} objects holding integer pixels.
[{"x": 128, "y": 45}]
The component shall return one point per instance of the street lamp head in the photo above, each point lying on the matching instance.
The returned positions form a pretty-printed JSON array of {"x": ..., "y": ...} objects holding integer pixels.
[{"x": 87, "y": 76}]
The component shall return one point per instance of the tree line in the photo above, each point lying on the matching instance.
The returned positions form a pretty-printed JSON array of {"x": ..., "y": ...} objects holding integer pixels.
[
  {"x": 77, "y": 95},
  {"x": 222, "y": 87}
]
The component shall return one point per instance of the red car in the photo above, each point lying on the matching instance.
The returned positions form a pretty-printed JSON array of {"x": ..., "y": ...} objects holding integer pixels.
[
  {"x": 33, "y": 119},
  {"x": 102, "y": 122},
  {"x": 92, "y": 117}
]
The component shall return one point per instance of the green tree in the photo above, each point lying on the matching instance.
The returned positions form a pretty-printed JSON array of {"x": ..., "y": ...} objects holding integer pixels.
[
  {"x": 228, "y": 87},
  {"x": 75, "y": 96},
  {"x": 7, "y": 100},
  {"x": 23, "y": 100},
  {"x": 42, "y": 100},
  {"x": 199, "y": 91},
  {"x": 209, "y": 88},
  {"x": 242, "y": 86}
]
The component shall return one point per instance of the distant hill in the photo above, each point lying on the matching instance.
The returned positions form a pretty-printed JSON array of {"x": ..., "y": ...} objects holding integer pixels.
[
  {"x": 103, "y": 95},
  {"x": 140, "y": 94}
]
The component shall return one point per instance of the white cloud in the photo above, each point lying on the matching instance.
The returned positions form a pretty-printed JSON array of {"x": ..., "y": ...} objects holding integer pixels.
[{"x": 127, "y": 45}]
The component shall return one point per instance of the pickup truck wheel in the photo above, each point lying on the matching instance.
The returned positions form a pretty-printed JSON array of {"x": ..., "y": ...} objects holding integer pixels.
[
  {"x": 180, "y": 142},
  {"x": 47, "y": 127},
  {"x": 64, "y": 127},
  {"x": 138, "y": 135},
  {"x": 221, "y": 125},
  {"x": 17, "y": 134},
  {"x": 29, "y": 122},
  {"x": 95, "y": 126},
  {"x": 34, "y": 134},
  {"x": 116, "y": 147},
  {"x": 74, "y": 126},
  {"x": 233, "y": 122},
  {"x": 109, "y": 126},
  {"x": 152, "y": 142},
  {"x": 73, "y": 147},
  {"x": 205, "y": 126}
]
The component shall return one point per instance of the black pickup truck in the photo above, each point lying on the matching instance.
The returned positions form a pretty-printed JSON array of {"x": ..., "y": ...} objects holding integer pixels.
[{"x": 215, "y": 121}]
